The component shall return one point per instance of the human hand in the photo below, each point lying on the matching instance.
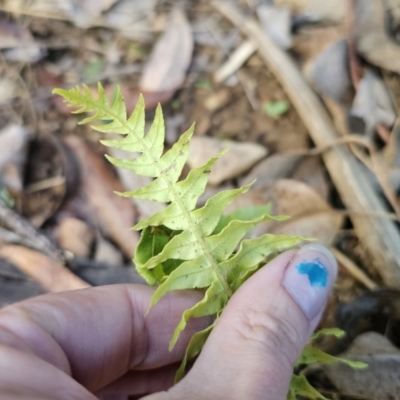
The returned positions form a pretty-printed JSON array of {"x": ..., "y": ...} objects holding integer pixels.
[{"x": 99, "y": 343}]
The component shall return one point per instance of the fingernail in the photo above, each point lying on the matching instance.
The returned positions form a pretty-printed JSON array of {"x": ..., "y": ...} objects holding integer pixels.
[{"x": 309, "y": 278}]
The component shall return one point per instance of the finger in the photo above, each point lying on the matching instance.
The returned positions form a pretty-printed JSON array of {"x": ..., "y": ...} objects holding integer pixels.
[
  {"x": 97, "y": 335},
  {"x": 251, "y": 352},
  {"x": 27, "y": 376},
  {"x": 142, "y": 382}
]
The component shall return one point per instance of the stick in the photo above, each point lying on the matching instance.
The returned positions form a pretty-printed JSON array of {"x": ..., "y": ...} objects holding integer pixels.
[
  {"x": 379, "y": 237},
  {"x": 24, "y": 229},
  {"x": 238, "y": 57},
  {"x": 354, "y": 270}
]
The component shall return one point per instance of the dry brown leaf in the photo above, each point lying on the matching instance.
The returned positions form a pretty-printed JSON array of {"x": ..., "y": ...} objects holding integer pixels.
[
  {"x": 277, "y": 23},
  {"x": 45, "y": 186},
  {"x": 115, "y": 215},
  {"x": 96, "y": 7},
  {"x": 17, "y": 43},
  {"x": 76, "y": 236},
  {"x": 106, "y": 253},
  {"x": 311, "y": 172},
  {"x": 293, "y": 198},
  {"x": 13, "y": 147},
  {"x": 240, "y": 157},
  {"x": 277, "y": 166},
  {"x": 49, "y": 273},
  {"x": 373, "y": 103},
  {"x": 310, "y": 215},
  {"x": 171, "y": 57},
  {"x": 371, "y": 34},
  {"x": 322, "y": 226},
  {"x": 329, "y": 73},
  {"x": 316, "y": 10},
  {"x": 131, "y": 14}
]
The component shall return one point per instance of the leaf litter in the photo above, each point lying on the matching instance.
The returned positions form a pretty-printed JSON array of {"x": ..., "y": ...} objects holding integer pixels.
[{"x": 180, "y": 51}]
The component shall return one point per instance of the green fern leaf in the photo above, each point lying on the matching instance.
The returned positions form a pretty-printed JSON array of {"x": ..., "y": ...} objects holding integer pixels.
[
  {"x": 183, "y": 247},
  {"x": 299, "y": 386}
]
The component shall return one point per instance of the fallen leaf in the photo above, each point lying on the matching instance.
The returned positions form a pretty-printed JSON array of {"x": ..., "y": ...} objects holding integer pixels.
[
  {"x": 277, "y": 23},
  {"x": 76, "y": 236},
  {"x": 114, "y": 214},
  {"x": 96, "y": 7},
  {"x": 316, "y": 10},
  {"x": 277, "y": 166},
  {"x": 130, "y": 13},
  {"x": 14, "y": 141},
  {"x": 240, "y": 157},
  {"x": 310, "y": 215},
  {"x": 106, "y": 253},
  {"x": 373, "y": 103},
  {"x": 167, "y": 65},
  {"x": 47, "y": 272},
  {"x": 17, "y": 43},
  {"x": 311, "y": 172},
  {"x": 15, "y": 285},
  {"x": 46, "y": 185},
  {"x": 380, "y": 380},
  {"x": 371, "y": 34},
  {"x": 217, "y": 100},
  {"x": 322, "y": 226},
  {"x": 329, "y": 73}
]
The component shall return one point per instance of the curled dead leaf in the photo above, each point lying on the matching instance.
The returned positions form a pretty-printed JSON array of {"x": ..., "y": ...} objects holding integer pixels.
[
  {"x": 47, "y": 272},
  {"x": 114, "y": 215},
  {"x": 166, "y": 68}
]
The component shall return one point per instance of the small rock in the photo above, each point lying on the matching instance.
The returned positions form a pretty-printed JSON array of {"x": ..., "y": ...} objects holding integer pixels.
[
  {"x": 380, "y": 380},
  {"x": 240, "y": 157}
]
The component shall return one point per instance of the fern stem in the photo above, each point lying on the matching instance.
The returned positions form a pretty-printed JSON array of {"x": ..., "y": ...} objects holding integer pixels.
[{"x": 177, "y": 199}]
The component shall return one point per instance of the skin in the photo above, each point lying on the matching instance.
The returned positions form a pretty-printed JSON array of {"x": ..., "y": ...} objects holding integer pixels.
[{"x": 99, "y": 343}]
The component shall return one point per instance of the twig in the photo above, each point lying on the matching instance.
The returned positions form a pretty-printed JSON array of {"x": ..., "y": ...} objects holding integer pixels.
[
  {"x": 355, "y": 67},
  {"x": 249, "y": 96},
  {"x": 45, "y": 184},
  {"x": 23, "y": 228},
  {"x": 238, "y": 57},
  {"x": 354, "y": 270},
  {"x": 380, "y": 237},
  {"x": 375, "y": 166}
]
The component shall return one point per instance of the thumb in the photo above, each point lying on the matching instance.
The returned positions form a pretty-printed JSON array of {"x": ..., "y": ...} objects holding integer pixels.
[{"x": 251, "y": 352}]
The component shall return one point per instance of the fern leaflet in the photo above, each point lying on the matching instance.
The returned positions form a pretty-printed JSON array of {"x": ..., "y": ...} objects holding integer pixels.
[{"x": 182, "y": 247}]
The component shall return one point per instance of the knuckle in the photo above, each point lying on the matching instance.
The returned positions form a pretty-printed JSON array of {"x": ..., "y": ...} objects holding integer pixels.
[{"x": 273, "y": 332}]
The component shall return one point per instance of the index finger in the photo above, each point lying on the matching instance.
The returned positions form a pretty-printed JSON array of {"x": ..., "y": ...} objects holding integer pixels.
[{"x": 96, "y": 335}]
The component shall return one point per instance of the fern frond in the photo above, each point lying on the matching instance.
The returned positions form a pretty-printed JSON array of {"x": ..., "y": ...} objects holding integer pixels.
[{"x": 182, "y": 247}]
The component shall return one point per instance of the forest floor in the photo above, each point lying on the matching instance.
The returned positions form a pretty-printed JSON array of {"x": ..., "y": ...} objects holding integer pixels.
[{"x": 306, "y": 96}]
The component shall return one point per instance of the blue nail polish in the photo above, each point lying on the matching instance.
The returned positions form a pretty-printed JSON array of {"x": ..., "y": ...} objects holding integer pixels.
[
  {"x": 316, "y": 271},
  {"x": 309, "y": 278}
]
